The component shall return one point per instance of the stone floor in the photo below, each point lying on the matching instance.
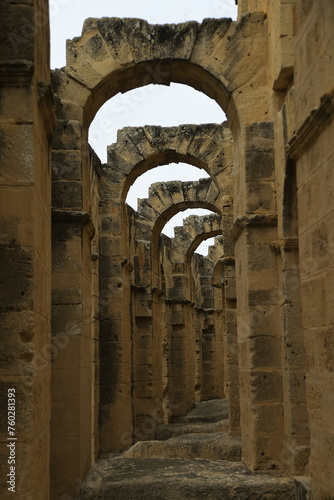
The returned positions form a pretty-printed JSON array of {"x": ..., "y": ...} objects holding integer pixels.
[{"x": 192, "y": 458}]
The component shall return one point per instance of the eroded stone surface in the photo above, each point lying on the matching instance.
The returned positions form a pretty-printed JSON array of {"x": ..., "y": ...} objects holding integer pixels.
[
  {"x": 206, "y": 411},
  {"x": 177, "y": 479},
  {"x": 216, "y": 446},
  {"x": 167, "y": 431}
]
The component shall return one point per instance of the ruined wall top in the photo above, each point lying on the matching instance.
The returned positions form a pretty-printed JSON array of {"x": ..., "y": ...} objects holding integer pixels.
[{"x": 116, "y": 55}]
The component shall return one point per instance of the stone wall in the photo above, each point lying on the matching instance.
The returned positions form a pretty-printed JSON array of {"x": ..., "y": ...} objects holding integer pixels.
[
  {"x": 311, "y": 147},
  {"x": 27, "y": 122}
]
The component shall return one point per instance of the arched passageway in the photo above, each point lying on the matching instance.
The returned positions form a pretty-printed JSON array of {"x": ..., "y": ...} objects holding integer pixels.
[{"x": 100, "y": 64}]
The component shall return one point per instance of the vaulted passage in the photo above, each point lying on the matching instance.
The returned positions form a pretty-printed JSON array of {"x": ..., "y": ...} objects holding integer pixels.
[
  {"x": 172, "y": 340},
  {"x": 142, "y": 369}
]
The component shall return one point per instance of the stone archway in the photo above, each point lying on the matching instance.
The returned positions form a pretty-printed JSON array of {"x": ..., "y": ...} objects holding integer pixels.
[
  {"x": 99, "y": 65},
  {"x": 209, "y": 147},
  {"x": 206, "y": 311},
  {"x": 144, "y": 326},
  {"x": 116, "y": 55}
]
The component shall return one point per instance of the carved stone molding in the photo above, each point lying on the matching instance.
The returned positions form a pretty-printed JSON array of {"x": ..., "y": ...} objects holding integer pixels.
[
  {"x": 312, "y": 126},
  {"x": 240, "y": 223},
  {"x": 179, "y": 301},
  {"x": 74, "y": 217},
  {"x": 287, "y": 244},
  {"x": 16, "y": 73},
  {"x": 208, "y": 310}
]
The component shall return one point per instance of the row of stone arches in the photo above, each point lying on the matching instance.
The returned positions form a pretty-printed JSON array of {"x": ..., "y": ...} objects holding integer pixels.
[
  {"x": 90, "y": 195},
  {"x": 145, "y": 252},
  {"x": 274, "y": 279}
]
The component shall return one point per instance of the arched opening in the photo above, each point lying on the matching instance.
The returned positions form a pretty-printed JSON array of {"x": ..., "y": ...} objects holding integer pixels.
[
  {"x": 94, "y": 74},
  {"x": 142, "y": 255},
  {"x": 204, "y": 247},
  {"x": 153, "y": 104},
  {"x": 201, "y": 238},
  {"x": 170, "y": 172},
  {"x": 161, "y": 72},
  {"x": 209, "y": 312}
]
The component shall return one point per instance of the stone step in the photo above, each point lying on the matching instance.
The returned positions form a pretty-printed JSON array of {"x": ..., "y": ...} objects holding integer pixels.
[
  {"x": 167, "y": 431},
  {"x": 179, "y": 479},
  {"x": 216, "y": 446},
  {"x": 205, "y": 411}
]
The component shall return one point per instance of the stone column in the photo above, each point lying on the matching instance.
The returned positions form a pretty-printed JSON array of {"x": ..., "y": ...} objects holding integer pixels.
[
  {"x": 208, "y": 333},
  {"x": 115, "y": 318},
  {"x": 147, "y": 362},
  {"x": 72, "y": 368},
  {"x": 75, "y": 176},
  {"x": 231, "y": 346},
  {"x": 183, "y": 343},
  {"x": 296, "y": 451},
  {"x": 259, "y": 335}
]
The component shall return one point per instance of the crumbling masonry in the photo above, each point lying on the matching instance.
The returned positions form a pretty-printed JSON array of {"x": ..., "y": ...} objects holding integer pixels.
[{"x": 109, "y": 329}]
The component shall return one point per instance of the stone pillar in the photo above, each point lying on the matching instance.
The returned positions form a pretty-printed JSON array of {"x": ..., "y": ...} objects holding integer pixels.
[
  {"x": 231, "y": 347},
  {"x": 208, "y": 332},
  {"x": 147, "y": 362},
  {"x": 259, "y": 345},
  {"x": 75, "y": 176},
  {"x": 296, "y": 451},
  {"x": 147, "y": 325},
  {"x": 183, "y": 343},
  {"x": 72, "y": 368},
  {"x": 219, "y": 313},
  {"x": 208, "y": 357},
  {"x": 115, "y": 318},
  {"x": 259, "y": 335},
  {"x": 181, "y": 356}
]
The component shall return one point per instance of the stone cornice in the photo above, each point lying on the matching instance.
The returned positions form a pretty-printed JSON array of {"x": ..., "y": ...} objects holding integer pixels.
[
  {"x": 209, "y": 310},
  {"x": 269, "y": 219},
  {"x": 74, "y": 217},
  {"x": 179, "y": 301},
  {"x": 287, "y": 244},
  {"x": 312, "y": 126},
  {"x": 16, "y": 73},
  {"x": 148, "y": 289}
]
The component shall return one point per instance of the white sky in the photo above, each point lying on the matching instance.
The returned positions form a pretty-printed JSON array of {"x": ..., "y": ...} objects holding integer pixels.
[{"x": 154, "y": 104}]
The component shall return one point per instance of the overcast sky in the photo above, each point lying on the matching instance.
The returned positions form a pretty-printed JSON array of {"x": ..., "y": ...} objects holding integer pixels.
[{"x": 153, "y": 104}]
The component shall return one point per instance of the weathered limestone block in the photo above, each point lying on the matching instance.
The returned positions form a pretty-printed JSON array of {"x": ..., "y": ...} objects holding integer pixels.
[
  {"x": 146, "y": 210},
  {"x": 18, "y": 44},
  {"x": 66, "y": 165},
  {"x": 67, "y": 135},
  {"x": 17, "y": 168},
  {"x": 216, "y": 446}
]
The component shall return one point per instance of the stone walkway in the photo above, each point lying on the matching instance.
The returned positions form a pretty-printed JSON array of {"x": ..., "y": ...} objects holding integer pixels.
[{"x": 192, "y": 458}]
